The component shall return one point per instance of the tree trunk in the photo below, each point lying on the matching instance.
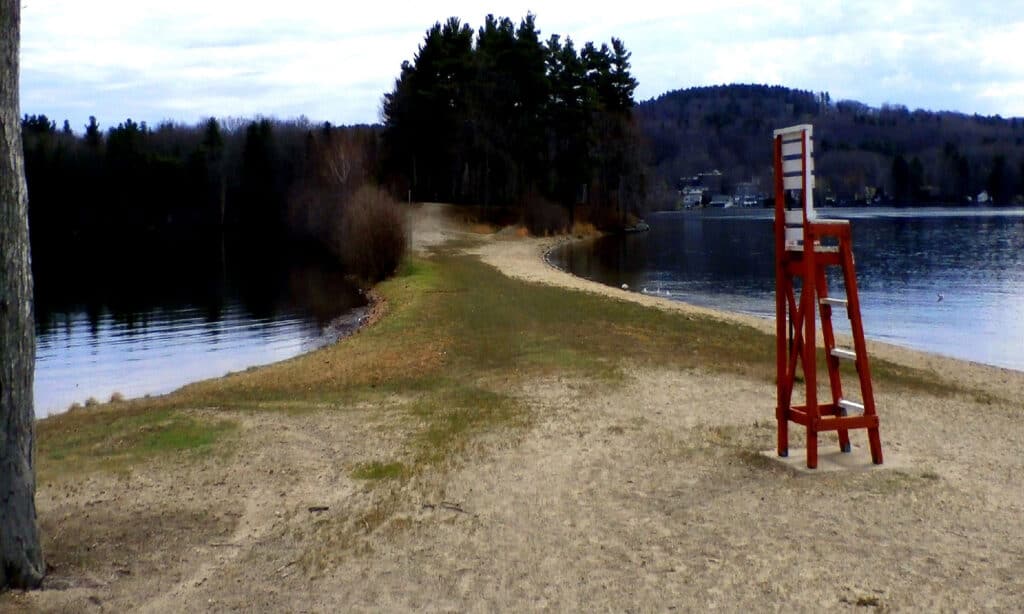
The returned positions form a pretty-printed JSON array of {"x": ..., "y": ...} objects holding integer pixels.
[{"x": 21, "y": 558}]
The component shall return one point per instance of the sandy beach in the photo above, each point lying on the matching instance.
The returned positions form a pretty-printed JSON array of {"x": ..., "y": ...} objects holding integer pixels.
[{"x": 647, "y": 496}]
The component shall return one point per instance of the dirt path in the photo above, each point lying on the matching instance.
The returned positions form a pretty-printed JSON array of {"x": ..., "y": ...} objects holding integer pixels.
[{"x": 645, "y": 497}]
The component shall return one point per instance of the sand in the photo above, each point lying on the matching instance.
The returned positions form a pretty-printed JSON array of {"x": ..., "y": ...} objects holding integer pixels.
[{"x": 652, "y": 496}]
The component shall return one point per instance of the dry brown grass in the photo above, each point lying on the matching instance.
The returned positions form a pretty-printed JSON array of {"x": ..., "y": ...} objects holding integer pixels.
[
  {"x": 480, "y": 228},
  {"x": 583, "y": 230}
]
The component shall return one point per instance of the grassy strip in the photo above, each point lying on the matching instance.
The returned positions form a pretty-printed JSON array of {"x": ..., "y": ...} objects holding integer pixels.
[
  {"x": 115, "y": 438},
  {"x": 458, "y": 344}
]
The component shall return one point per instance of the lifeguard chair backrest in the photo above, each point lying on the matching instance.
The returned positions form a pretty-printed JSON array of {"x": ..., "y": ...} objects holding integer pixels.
[{"x": 794, "y": 148}]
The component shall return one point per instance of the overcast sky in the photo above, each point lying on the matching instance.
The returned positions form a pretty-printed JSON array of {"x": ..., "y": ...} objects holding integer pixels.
[{"x": 185, "y": 60}]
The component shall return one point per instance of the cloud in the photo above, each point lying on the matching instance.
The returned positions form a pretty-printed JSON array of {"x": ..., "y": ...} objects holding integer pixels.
[{"x": 333, "y": 61}]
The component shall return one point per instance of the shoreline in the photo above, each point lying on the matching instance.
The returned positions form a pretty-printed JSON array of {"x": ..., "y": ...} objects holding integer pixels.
[
  {"x": 755, "y": 319},
  {"x": 517, "y": 264},
  {"x": 337, "y": 329}
]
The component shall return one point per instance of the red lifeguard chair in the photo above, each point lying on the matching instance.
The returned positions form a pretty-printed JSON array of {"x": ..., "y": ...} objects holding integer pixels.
[{"x": 804, "y": 247}]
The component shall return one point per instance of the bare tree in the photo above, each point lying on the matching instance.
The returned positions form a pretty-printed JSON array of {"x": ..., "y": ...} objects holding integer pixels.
[{"x": 21, "y": 557}]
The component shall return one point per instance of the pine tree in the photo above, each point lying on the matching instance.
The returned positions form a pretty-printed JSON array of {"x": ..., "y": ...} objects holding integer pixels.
[{"x": 510, "y": 119}]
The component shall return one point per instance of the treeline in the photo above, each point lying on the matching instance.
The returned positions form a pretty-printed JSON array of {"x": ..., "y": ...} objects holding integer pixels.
[
  {"x": 265, "y": 179},
  {"x": 861, "y": 152},
  {"x": 500, "y": 119},
  {"x": 526, "y": 129}
]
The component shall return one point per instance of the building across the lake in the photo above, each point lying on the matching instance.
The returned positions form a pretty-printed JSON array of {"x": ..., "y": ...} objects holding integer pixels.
[
  {"x": 748, "y": 193},
  {"x": 722, "y": 201},
  {"x": 692, "y": 197}
]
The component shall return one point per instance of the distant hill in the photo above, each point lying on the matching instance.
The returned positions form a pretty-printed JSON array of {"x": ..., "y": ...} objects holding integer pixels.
[{"x": 861, "y": 152}]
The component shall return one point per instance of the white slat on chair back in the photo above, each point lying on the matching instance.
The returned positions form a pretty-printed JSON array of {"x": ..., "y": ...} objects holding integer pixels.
[{"x": 798, "y": 162}]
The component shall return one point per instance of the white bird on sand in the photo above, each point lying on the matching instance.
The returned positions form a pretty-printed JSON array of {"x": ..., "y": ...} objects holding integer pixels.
[{"x": 625, "y": 286}]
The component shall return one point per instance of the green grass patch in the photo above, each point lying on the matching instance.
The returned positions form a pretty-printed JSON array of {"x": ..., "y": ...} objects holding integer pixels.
[
  {"x": 453, "y": 412},
  {"x": 917, "y": 380},
  {"x": 181, "y": 434},
  {"x": 531, "y": 329},
  {"x": 379, "y": 471},
  {"x": 116, "y": 439}
]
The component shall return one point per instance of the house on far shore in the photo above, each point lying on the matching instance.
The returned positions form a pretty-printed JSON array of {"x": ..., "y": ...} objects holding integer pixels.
[
  {"x": 748, "y": 194},
  {"x": 692, "y": 197},
  {"x": 711, "y": 181},
  {"x": 722, "y": 201}
]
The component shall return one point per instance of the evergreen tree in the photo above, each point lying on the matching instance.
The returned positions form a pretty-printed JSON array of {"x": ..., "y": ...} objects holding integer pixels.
[
  {"x": 998, "y": 184},
  {"x": 901, "y": 179},
  {"x": 568, "y": 121},
  {"x": 256, "y": 207},
  {"x": 622, "y": 82},
  {"x": 425, "y": 113},
  {"x": 510, "y": 119},
  {"x": 212, "y": 152},
  {"x": 93, "y": 138}
]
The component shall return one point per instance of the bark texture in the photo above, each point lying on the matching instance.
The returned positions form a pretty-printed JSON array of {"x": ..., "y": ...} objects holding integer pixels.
[{"x": 21, "y": 558}]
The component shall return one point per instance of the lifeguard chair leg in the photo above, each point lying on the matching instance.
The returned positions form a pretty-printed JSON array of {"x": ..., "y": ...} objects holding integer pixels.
[
  {"x": 783, "y": 288},
  {"x": 783, "y": 432},
  {"x": 808, "y": 297},
  {"x": 782, "y": 382},
  {"x": 860, "y": 346},
  {"x": 875, "y": 441}
]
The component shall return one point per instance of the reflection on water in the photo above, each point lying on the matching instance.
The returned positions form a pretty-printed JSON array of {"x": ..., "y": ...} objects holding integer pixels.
[
  {"x": 906, "y": 260},
  {"x": 147, "y": 318}
]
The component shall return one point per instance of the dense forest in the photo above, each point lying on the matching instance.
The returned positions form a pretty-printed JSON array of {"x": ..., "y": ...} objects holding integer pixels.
[
  {"x": 206, "y": 177},
  {"x": 891, "y": 153},
  {"x": 500, "y": 119},
  {"x": 259, "y": 180}
]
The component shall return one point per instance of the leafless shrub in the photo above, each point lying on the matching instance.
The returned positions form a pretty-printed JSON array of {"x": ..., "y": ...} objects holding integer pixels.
[
  {"x": 544, "y": 217},
  {"x": 371, "y": 234},
  {"x": 584, "y": 229},
  {"x": 338, "y": 205}
]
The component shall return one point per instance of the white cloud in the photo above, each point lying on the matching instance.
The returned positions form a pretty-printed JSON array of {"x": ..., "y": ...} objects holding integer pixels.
[{"x": 333, "y": 61}]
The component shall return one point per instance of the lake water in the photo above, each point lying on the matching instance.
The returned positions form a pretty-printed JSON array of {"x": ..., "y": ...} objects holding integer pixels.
[
  {"x": 906, "y": 260},
  {"x": 148, "y": 318}
]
